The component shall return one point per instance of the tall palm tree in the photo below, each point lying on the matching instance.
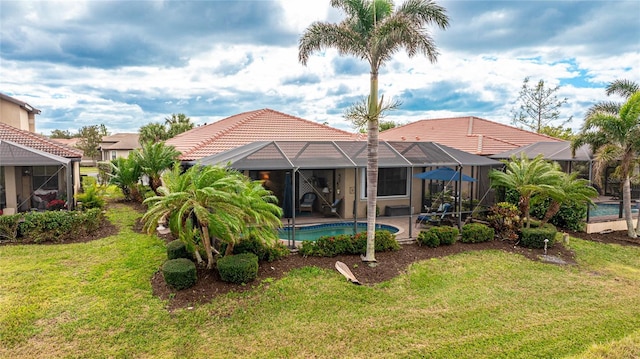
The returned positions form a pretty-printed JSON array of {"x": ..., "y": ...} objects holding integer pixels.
[
  {"x": 177, "y": 124},
  {"x": 374, "y": 32},
  {"x": 152, "y": 132},
  {"x": 527, "y": 176},
  {"x": 571, "y": 190},
  {"x": 154, "y": 158},
  {"x": 614, "y": 137}
]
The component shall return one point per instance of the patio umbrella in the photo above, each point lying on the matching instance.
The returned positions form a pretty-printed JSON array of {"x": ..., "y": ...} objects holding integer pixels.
[
  {"x": 444, "y": 174},
  {"x": 287, "y": 200}
]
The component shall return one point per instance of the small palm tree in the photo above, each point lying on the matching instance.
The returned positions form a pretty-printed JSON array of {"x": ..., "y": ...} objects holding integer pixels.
[
  {"x": 571, "y": 190},
  {"x": 153, "y": 159},
  {"x": 528, "y": 177},
  {"x": 125, "y": 173},
  {"x": 217, "y": 204},
  {"x": 373, "y": 31}
]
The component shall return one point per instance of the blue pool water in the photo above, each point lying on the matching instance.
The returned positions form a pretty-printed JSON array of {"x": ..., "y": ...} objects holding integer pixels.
[
  {"x": 311, "y": 233},
  {"x": 607, "y": 209}
]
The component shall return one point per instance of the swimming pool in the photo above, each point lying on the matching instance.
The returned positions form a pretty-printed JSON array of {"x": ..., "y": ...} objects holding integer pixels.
[
  {"x": 607, "y": 209},
  {"x": 311, "y": 233}
]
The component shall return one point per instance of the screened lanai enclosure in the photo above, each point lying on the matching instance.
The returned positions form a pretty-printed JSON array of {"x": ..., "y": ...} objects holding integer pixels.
[
  {"x": 326, "y": 179},
  {"x": 30, "y": 178}
]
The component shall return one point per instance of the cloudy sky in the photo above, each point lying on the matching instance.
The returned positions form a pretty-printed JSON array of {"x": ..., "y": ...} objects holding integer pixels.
[{"x": 128, "y": 63}]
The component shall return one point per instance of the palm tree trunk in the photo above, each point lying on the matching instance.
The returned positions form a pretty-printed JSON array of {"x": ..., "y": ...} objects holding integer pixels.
[
  {"x": 554, "y": 207},
  {"x": 523, "y": 205},
  {"x": 626, "y": 206},
  {"x": 207, "y": 246},
  {"x": 229, "y": 250},
  {"x": 372, "y": 168}
]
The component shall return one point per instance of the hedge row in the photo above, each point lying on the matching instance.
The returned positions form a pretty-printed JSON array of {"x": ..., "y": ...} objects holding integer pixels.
[
  {"x": 330, "y": 246},
  {"x": 49, "y": 226}
]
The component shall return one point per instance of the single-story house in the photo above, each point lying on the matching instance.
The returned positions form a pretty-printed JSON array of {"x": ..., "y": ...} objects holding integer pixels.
[{"x": 118, "y": 145}]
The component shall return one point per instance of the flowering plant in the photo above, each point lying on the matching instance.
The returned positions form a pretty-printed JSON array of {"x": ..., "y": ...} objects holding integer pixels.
[{"x": 56, "y": 204}]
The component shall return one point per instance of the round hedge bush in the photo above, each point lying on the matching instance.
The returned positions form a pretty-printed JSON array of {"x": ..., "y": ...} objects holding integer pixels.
[
  {"x": 428, "y": 238},
  {"x": 179, "y": 273},
  {"x": 476, "y": 233},
  {"x": 177, "y": 249},
  {"x": 239, "y": 268}
]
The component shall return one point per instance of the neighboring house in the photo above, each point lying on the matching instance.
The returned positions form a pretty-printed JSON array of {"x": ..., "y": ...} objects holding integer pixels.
[
  {"x": 118, "y": 145},
  {"x": 470, "y": 134},
  {"x": 18, "y": 114},
  {"x": 34, "y": 170}
]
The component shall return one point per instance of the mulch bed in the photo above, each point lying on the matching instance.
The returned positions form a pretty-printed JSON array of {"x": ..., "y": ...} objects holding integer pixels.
[{"x": 388, "y": 266}]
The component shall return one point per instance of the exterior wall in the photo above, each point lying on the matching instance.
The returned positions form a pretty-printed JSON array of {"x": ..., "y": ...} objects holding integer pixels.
[
  {"x": 16, "y": 116},
  {"x": 106, "y": 154},
  {"x": 10, "y": 184}
]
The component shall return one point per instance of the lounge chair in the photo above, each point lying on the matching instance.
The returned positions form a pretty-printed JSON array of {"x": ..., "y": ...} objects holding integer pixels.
[
  {"x": 306, "y": 203},
  {"x": 434, "y": 217},
  {"x": 332, "y": 210}
]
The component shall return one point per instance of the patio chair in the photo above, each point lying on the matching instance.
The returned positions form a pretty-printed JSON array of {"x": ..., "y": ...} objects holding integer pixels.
[
  {"x": 306, "y": 203},
  {"x": 332, "y": 210},
  {"x": 434, "y": 218}
]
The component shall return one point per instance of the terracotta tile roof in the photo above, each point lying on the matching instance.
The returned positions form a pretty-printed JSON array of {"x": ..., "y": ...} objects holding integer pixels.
[
  {"x": 470, "y": 134},
  {"x": 120, "y": 141},
  {"x": 248, "y": 127},
  {"x": 33, "y": 140}
]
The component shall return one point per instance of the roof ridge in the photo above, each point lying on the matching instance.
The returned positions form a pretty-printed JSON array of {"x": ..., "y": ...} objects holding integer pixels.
[
  {"x": 45, "y": 139},
  {"x": 210, "y": 139},
  {"x": 516, "y": 128},
  {"x": 309, "y": 121}
]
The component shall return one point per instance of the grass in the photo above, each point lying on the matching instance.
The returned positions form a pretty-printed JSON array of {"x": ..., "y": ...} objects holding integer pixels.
[
  {"x": 94, "y": 300},
  {"x": 85, "y": 170}
]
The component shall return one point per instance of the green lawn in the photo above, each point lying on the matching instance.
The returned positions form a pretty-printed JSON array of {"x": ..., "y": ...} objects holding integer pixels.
[{"x": 94, "y": 300}]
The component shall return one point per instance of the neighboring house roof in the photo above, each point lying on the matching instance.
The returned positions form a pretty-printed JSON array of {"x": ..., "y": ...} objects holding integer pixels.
[
  {"x": 22, "y": 104},
  {"x": 120, "y": 141},
  {"x": 555, "y": 151},
  {"x": 38, "y": 142},
  {"x": 71, "y": 142},
  {"x": 470, "y": 134},
  {"x": 248, "y": 127}
]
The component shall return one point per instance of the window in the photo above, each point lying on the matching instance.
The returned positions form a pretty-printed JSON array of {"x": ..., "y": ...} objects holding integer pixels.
[
  {"x": 113, "y": 155},
  {"x": 45, "y": 177},
  {"x": 391, "y": 182}
]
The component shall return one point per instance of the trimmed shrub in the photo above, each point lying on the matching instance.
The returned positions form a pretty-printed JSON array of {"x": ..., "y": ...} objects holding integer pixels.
[
  {"x": 58, "y": 226},
  {"x": 177, "y": 249},
  {"x": 447, "y": 235},
  {"x": 385, "y": 241},
  {"x": 239, "y": 268},
  {"x": 264, "y": 251},
  {"x": 429, "y": 238},
  {"x": 179, "y": 273},
  {"x": 476, "y": 233},
  {"x": 534, "y": 237},
  {"x": 330, "y": 246}
]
